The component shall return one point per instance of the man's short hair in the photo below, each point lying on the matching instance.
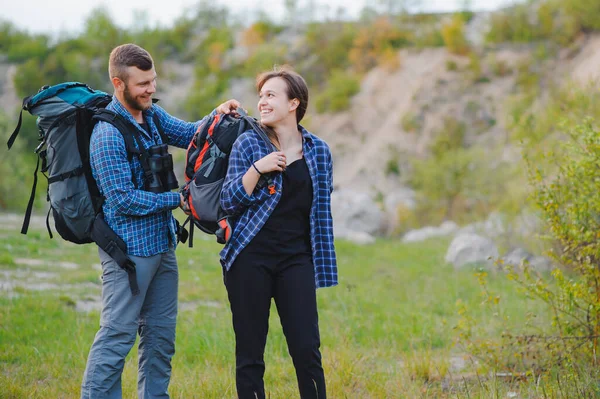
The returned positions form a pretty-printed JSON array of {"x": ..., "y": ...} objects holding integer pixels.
[{"x": 127, "y": 55}]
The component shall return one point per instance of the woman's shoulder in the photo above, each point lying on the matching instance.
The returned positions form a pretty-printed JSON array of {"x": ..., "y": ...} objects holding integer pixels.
[{"x": 248, "y": 137}]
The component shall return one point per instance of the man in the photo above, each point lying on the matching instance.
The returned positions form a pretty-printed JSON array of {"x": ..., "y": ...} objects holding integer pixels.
[{"x": 144, "y": 221}]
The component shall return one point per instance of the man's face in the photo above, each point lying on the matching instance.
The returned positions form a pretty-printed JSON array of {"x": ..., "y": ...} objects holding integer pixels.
[{"x": 139, "y": 88}]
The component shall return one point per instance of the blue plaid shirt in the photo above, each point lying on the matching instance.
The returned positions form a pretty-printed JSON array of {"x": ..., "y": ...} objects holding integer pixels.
[
  {"x": 250, "y": 212},
  {"x": 141, "y": 218}
]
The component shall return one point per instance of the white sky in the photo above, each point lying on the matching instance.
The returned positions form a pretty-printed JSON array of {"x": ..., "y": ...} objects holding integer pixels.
[{"x": 67, "y": 16}]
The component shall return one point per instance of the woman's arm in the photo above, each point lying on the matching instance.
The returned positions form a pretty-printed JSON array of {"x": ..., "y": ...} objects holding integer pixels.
[{"x": 242, "y": 175}]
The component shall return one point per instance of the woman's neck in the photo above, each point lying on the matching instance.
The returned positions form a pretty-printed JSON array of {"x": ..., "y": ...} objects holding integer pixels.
[{"x": 288, "y": 135}]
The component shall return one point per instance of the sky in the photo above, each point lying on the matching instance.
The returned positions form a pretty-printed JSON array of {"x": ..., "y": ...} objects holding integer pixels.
[{"x": 67, "y": 16}]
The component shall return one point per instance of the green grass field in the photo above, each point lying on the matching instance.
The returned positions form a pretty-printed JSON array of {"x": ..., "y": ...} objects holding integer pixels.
[{"x": 387, "y": 330}]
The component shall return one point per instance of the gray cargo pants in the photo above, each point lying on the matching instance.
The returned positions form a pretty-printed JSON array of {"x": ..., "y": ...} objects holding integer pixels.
[{"x": 152, "y": 313}]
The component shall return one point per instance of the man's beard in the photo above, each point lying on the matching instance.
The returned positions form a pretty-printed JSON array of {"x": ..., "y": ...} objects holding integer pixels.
[{"x": 134, "y": 103}]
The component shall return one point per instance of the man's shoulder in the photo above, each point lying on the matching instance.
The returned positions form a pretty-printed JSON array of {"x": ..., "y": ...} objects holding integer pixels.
[{"x": 106, "y": 133}]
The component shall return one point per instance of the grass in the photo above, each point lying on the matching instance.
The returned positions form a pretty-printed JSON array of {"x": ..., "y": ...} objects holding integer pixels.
[{"x": 386, "y": 330}]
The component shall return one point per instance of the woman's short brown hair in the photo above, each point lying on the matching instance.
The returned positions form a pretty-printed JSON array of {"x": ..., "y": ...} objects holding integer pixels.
[
  {"x": 127, "y": 55},
  {"x": 296, "y": 86}
]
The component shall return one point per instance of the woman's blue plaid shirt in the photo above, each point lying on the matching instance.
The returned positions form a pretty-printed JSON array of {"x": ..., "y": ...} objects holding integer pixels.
[
  {"x": 251, "y": 211},
  {"x": 141, "y": 218}
]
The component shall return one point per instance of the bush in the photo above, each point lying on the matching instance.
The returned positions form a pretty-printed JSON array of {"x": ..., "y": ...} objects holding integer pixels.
[
  {"x": 585, "y": 12},
  {"x": 259, "y": 32},
  {"x": 451, "y": 137},
  {"x": 374, "y": 41},
  {"x": 445, "y": 182},
  {"x": 429, "y": 37},
  {"x": 453, "y": 33},
  {"x": 340, "y": 88},
  {"x": 451, "y": 66},
  {"x": 411, "y": 122},
  {"x": 326, "y": 45},
  {"x": 567, "y": 342}
]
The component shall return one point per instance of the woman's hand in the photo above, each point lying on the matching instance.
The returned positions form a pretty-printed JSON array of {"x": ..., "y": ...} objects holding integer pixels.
[
  {"x": 274, "y": 162},
  {"x": 229, "y": 107},
  {"x": 183, "y": 204}
]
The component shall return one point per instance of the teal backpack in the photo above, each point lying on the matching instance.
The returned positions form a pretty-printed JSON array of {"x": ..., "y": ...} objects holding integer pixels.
[{"x": 66, "y": 116}]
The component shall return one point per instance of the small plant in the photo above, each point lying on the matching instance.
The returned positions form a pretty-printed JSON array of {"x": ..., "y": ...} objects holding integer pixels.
[
  {"x": 411, "y": 122},
  {"x": 336, "y": 96},
  {"x": 451, "y": 66},
  {"x": 499, "y": 68},
  {"x": 392, "y": 167},
  {"x": 453, "y": 33}
]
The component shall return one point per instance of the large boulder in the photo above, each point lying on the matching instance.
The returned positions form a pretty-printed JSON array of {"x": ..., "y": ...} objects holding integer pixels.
[
  {"x": 356, "y": 216},
  {"x": 468, "y": 249}
]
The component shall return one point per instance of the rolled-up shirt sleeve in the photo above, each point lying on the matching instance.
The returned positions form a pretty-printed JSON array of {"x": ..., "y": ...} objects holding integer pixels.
[
  {"x": 112, "y": 171},
  {"x": 179, "y": 132}
]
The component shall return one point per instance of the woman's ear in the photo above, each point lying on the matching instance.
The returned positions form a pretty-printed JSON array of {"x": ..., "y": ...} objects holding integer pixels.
[{"x": 294, "y": 104}]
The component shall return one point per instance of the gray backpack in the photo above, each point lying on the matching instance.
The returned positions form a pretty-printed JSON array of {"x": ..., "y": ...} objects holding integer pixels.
[{"x": 66, "y": 116}]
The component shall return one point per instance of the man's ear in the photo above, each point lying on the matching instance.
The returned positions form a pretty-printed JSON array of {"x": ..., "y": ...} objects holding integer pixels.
[{"x": 118, "y": 84}]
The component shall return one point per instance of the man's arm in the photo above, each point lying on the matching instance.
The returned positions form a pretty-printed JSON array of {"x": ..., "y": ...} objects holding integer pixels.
[
  {"x": 112, "y": 171},
  {"x": 181, "y": 133}
]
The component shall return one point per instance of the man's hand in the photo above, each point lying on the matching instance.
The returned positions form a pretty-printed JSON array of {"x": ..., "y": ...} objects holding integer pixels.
[{"x": 229, "y": 107}]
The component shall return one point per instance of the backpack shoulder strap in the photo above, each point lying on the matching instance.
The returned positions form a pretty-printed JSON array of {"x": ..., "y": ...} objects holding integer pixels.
[
  {"x": 256, "y": 127},
  {"x": 163, "y": 136},
  {"x": 15, "y": 133},
  {"x": 123, "y": 126},
  {"x": 265, "y": 179},
  {"x": 130, "y": 134}
]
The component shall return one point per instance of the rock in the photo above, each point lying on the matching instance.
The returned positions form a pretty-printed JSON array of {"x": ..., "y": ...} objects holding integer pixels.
[
  {"x": 357, "y": 237},
  {"x": 519, "y": 257},
  {"x": 471, "y": 248},
  {"x": 445, "y": 229},
  {"x": 401, "y": 198},
  {"x": 355, "y": 211},
  {"x": 494, "y": 226}
]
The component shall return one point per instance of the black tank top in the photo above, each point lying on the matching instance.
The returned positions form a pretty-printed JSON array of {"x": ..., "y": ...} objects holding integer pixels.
[{"x": 287, "y": 230}]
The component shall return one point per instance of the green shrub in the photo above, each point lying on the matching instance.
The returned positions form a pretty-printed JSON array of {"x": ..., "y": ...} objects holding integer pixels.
[
  {"x": 327, "y": 45},
  {"x": 263, "y": 58},
  {"x": 451, "y": 65},
  {"x": 411, "y": 122},
  {"x": 567, "y": 197},
  {"x": 453, "y": 33},
  {"x": 459, "y": 184},
  {"x": 429, "y": 37},
  {"x": 498, "y": 67},
  {"x": 374, "y": 41},
  {"x": 336, "y": 96},
  {"x": 449, "y": 138},
  {"x": 585, "y": 12}
]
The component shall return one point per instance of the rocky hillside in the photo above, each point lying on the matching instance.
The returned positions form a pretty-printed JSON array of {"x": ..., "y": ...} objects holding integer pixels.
[{"x": 397, "y": 115}]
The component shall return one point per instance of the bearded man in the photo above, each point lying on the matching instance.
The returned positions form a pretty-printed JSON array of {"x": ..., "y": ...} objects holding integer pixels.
[{"x": 142, "y": 218}]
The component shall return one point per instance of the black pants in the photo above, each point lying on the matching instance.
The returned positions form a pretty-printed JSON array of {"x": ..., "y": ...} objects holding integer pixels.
[{"x": 251, "y": 283}]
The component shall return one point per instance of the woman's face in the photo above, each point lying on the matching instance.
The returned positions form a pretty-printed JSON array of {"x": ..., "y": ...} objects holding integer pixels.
[{"x": 273, "y": 103}]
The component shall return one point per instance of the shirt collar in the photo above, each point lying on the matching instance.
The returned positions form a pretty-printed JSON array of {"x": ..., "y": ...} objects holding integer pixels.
[
  {"x": 306, "y": 136},
  {"x": 121, "y": 110}
]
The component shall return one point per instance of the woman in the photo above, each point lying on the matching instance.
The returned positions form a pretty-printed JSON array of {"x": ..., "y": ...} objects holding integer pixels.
[{"x": 282, "y": 241}]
